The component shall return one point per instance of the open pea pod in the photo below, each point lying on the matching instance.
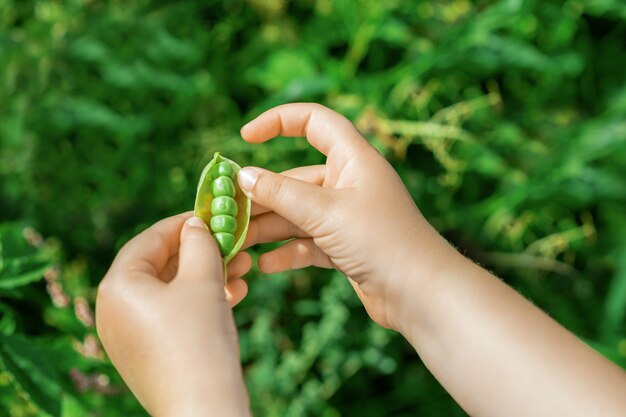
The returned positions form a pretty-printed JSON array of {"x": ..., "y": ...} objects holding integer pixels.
[{"x": 222, "y": 205}]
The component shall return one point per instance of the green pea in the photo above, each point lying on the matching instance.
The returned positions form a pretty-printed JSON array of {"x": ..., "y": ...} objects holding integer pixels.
[
  {"x": 224, "y": 205},
  {"x": 223, "y": 186},
  {"x": 225, "y": 241},
  {"x": 223, "y": 169},
  {"x": 223, "y": 223}
]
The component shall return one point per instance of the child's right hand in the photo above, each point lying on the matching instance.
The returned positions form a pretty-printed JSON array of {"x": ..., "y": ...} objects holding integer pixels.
[
  {"x": 489, "y": 347},
  {"x": 353, "y": 213}
]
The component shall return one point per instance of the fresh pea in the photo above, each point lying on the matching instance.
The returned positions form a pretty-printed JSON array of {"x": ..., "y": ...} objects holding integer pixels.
[
  {"x": 225, "y": 241},
  {"x": 222, "y": 205},
  {"x": 223, "y": 223},
  {"x": 223, "y": 186},
  {"x": 223, "y": 169}
]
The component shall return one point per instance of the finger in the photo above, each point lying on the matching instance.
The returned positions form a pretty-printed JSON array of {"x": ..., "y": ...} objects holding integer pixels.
[
  {"x": 239, "y": 265},
  {"x": 327, "y": 131},
  {"x": 270, "y": 227},
  {"x": 236, "y": 288},
  {"x": 313, "y": 174},
  {"x": 258, "y": 209},
  {"x": 236, "y": 291},
  {"x": 295, "y": 200},
  {"x": 199, "y": 257},
  {"x": 295, "y": 254},
  {"x": 150, "y": 250}
]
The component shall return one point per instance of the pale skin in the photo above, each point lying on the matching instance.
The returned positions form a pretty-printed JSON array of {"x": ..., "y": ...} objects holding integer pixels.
[
  {"x": 165, "y": 319},
  {"x": 493, "y": 351}
]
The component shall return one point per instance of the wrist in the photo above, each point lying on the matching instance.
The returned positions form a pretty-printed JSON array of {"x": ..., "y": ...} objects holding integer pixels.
[
  {"x": 421, "y": 277},
  {"x": 197, "y": 411},
  {"x": 186, "y": 408},
  {"x": 223, "y": 395}
]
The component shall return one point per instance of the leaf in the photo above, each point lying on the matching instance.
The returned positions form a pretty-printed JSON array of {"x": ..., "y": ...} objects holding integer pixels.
[
  {"x": 22, "y": 271},
  {"x": 20, "y": 263},
  {"x": 615, "y": 304},
  {"x": 7, "y": 319},
  {"x": 605, "y": 7},
  {"x": 71, "y": 407},
  {"x": 281, "y": 69},
  {"x": 29, "y": 364}
]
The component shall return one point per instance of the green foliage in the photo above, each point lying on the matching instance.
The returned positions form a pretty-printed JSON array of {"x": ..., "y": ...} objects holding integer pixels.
[
  {"x": 30, "y": 367},
  {"x": 505, "y": 119},
  {"x": 20, "y": 262}
]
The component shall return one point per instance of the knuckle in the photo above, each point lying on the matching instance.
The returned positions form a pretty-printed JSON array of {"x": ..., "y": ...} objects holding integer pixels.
[
  {"x": 304, "y": 253},
  {"x": 203, "y": 241},
  {"x": 320, "y": 107},
  {"x": 197, "y": 234},
  {"x": 272, "y": 186},
  {"x": 328, "y": 112}
]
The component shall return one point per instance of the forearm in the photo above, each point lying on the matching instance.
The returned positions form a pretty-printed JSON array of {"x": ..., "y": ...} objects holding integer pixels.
[
  {"x": 205, "y": 386},
  {"x": 497, "y": 354},
  {"x": 199, "y": 398}
]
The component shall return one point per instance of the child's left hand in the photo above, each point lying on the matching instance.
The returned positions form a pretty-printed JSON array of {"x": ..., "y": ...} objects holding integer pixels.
[{"x": 164, "y": 318}]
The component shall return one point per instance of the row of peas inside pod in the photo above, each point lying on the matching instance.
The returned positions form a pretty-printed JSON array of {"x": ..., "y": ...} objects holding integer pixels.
[{"x": 222, "y": 205}]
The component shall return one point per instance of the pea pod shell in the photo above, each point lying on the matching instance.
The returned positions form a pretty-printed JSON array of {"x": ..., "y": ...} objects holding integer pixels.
[{"x": 204, "y": 198}]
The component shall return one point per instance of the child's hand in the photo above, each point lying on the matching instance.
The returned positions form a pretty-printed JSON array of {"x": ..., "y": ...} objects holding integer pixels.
[
  {"x": 490, "y": 348},
  {"x": 353, "y": 213},
  {"x": 164, "y": 318}
]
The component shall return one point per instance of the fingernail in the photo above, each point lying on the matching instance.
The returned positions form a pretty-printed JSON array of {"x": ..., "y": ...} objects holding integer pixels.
[
  {"x": 248, "y": 177},
  {"x": 196, "y": 222}
]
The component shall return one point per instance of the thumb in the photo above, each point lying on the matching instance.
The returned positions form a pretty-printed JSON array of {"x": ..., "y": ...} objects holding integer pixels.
[
  {"x": 297, "y": 201},
  {"x": 199, "y": 258}
]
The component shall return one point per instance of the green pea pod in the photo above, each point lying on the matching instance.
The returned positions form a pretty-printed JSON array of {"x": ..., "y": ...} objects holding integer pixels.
[{"x": 227, "y": 213}]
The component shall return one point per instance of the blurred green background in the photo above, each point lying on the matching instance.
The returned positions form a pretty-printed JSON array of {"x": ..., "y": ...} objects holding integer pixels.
[{"x": 506, "y": 119}]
